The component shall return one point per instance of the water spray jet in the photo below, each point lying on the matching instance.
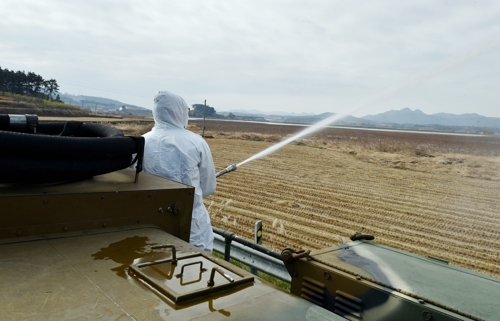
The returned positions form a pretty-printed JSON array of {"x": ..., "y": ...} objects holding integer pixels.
[{"x": 349, "y": 111}]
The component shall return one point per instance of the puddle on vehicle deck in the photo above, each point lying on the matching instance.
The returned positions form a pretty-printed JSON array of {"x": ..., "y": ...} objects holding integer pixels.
[{"x": 124, "y": 252}]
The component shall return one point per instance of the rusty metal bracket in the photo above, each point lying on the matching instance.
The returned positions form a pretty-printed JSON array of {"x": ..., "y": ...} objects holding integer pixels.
[{"x": 289, "y": 254}]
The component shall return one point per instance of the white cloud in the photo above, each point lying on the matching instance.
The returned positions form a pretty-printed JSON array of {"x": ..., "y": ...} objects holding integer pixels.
[{"x": 305, "y": 56}]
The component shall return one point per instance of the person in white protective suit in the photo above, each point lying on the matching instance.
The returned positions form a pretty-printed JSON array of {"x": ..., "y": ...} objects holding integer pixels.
[{"x": 177, "y": 154}]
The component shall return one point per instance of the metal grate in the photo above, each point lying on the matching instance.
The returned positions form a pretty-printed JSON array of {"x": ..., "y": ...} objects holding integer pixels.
[
  {"x": 348, "y": 306},
  {"x": 313, "y": 291}
]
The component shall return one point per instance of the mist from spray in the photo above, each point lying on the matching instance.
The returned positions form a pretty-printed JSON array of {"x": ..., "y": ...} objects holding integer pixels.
[{"x": 384, "y": 95}]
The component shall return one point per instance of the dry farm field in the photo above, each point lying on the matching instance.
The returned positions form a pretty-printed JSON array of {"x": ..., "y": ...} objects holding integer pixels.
[{"x": 429, "y": 194}]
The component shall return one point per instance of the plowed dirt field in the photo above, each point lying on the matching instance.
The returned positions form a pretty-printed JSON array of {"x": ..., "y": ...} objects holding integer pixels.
[{"x": 432, "y": 195}]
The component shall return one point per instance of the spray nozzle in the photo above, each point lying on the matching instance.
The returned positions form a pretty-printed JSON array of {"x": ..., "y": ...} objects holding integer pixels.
[{"x": 228, "y": 169}]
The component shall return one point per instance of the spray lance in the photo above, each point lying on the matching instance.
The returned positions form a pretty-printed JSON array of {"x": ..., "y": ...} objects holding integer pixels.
[{"x": 228, "y": 169}]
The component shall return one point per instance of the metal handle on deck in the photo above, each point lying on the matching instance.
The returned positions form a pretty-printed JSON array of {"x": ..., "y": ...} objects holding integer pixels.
[
  {"x": 174, "y": 258},
  {"x": 212, "y": 275}
]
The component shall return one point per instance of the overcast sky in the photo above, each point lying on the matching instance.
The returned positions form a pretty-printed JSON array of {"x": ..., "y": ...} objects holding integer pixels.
[{"x": 299, "y": 56}]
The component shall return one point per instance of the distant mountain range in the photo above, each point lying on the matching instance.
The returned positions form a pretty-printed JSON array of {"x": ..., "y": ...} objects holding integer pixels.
[
  {"x": 418, "y": 117},
  {"x": 404, "y": 118},
  {"x": 99, "y": 102}
]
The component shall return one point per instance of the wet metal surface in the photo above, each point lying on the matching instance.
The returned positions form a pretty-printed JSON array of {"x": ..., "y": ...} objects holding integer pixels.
[
  {"x": 459, "y": 289},
  {"x": 125, "y": 252},
  {"x": 81, "y": 277}
]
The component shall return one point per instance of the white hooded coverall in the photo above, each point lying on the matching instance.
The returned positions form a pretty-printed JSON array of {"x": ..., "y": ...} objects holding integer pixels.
[{"x": 177, "y": 154}]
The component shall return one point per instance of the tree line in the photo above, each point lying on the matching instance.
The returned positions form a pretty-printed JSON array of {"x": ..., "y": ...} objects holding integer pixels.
[
  {"x": 30, "y": 84},
  {"x": 200, "y": 109}
]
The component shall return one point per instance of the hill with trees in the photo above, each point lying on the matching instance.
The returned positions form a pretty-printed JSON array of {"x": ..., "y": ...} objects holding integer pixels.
[
  {"x": 102, "y": 105},
  {"x": 198, "y": 110},
  {"x": 29, "y": 93},
  {"x": 29, "y": 84}
]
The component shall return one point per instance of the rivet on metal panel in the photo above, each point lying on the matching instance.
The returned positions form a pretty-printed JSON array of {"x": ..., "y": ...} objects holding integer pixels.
[
  {"x": 102, "y": 197},
  {"x": 160, "y": 210},
  {"x": 149, "y": 195},
  {"x": 327, "y": 275},
  {"x": 286, "y": 256},
  {"x": 426, "y": 315},
  {"x": 177, "y": 208},
  {"x": 45, "y": 201},
  {"x": 421, "y": 301},
  {"x": 19, "y": 233},
  {"x": 358, "y": 277}
]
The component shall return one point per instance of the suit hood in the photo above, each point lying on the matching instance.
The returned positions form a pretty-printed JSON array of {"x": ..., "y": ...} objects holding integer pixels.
[{"x": 170, "y": 111}]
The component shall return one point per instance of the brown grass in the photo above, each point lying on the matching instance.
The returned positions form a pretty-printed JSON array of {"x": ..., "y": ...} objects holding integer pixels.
[
  {"x": 132, "y": 127},
  {"x": 20, "y": 104},
  {"x": 129, "y": 126},
  {"x": 475, "y": 156},
  {"x": 427, "y": 194}
]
